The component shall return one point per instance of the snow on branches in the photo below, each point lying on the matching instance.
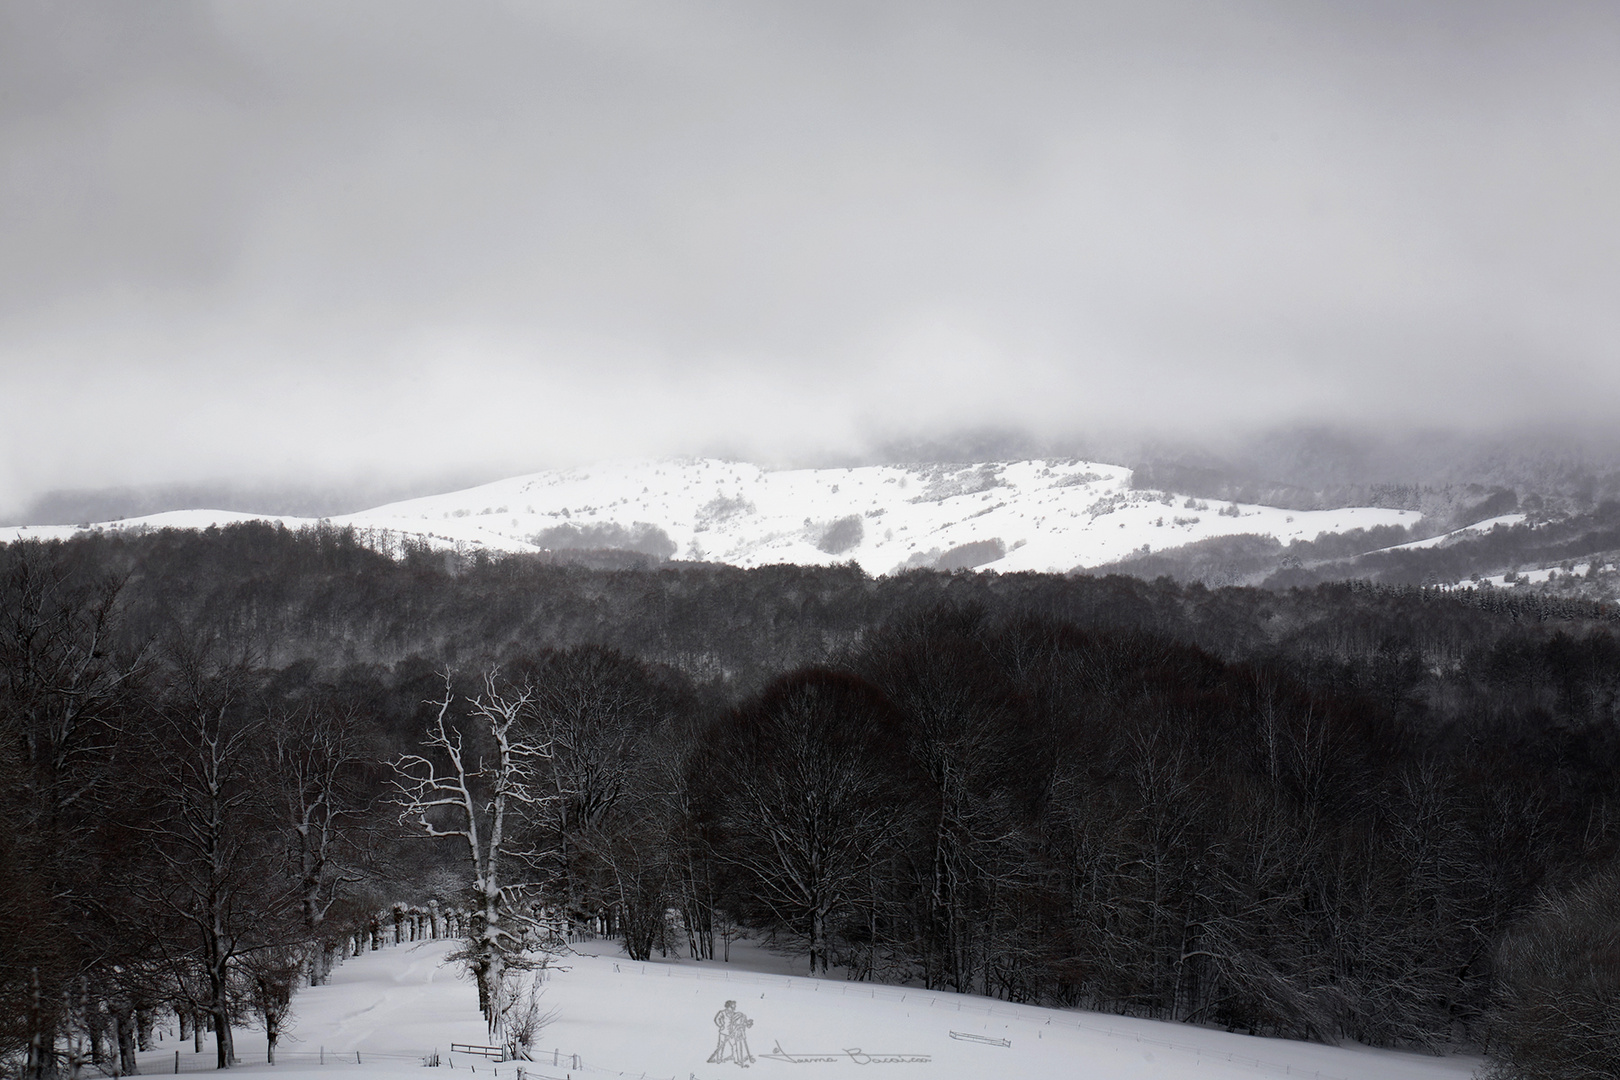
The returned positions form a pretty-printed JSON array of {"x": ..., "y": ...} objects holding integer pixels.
[{"x": 476, "y": 779}]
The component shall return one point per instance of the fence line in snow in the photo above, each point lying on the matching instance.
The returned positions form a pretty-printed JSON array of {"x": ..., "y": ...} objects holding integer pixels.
[
  {"x": 189, "y": 1061},
  {"x": 536, "y": 1068}
]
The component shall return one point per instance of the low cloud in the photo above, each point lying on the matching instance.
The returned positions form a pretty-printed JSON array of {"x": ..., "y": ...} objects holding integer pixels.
[{"x": 297, "y": 243}]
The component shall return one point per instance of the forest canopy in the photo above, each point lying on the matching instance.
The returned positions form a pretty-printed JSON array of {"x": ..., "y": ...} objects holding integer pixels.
[{"x": 1342, "y": 812}]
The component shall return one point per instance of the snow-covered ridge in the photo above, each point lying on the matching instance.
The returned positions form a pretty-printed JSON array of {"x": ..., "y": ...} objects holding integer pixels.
[
  {"x": 1005, "y": 516},
  {"x": 1469, "y": 532}
]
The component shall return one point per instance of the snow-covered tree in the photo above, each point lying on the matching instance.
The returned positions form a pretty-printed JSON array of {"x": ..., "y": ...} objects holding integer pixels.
[
  {"x": 212, "y": 893},
  {"x": 453, "y": 790},
  {"x": 318, "y": 756},
  {"x": 67, "y": 689}
]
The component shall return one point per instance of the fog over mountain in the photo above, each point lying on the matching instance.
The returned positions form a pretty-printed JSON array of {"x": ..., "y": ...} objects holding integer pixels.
[{"x": 337, "y": 254}]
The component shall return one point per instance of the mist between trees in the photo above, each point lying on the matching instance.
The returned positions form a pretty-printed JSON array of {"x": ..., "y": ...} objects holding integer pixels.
[{"x": 1341, "y": 813}]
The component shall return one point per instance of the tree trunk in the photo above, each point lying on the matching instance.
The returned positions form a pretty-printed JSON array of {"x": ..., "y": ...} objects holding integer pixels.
[
  {"x": 92, "y": 1023},
  {"x": 41, "y": 1034},
  {"x": 224, "y": 1045},
  {"x": 818, "y": 935},
  {"x": 124, "y": 1031},
  {"x": 490, "y": 967},
  {"x": 219, "y": 1008}
]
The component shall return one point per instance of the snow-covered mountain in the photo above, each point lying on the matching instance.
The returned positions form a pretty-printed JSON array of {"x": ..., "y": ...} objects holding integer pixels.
[{"x": 1004, "y": 516}]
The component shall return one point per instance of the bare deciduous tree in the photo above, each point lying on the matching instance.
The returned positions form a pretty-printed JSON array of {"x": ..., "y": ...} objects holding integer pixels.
[
  {"x": 805, "y": 785},
  {"x": 451, "y": 790},
  {"x": 64, "y": 693},
  {"x": 270, "y": 975},
  {"x": 317, "y": 754},
  {"x": 213, "y": 892},
  {"x": 1560, "y": 987}
]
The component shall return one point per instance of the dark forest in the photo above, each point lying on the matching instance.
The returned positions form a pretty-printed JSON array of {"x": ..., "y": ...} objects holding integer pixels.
[{"x": 1338, "y": 812}]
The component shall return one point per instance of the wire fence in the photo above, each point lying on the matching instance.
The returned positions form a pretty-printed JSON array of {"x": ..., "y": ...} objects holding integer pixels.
[
  {"x": 188, "y": 1061},
  {"x": 549, "y": 1065}
]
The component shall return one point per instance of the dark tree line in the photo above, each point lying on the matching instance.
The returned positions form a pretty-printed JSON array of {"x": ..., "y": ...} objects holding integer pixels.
[
  {"x": 180, "y": 829},
  {"x": 1124, "y": 823},
  {"x": 1344, "y": 812}
]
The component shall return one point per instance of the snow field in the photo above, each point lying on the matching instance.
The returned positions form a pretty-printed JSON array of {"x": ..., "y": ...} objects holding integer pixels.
[
  {"x": 1478, "y": 528},
  {"x": 1524, "y": 577},
  {"x": 656, "y": 1020},
  {"x": 1040, "y": 515}
]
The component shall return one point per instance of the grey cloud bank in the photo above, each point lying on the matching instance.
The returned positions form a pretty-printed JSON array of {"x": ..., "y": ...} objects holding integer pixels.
[{"x": 281, "y": 241}]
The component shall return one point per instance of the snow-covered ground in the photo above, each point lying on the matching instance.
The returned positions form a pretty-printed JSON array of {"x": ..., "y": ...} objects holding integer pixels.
[
  {"x": 1005, "y": 516},
  {"x": 1524, "y": 577},
  {"x": 1467, "y": 532},
  {"x": 388, "y": 1010}
]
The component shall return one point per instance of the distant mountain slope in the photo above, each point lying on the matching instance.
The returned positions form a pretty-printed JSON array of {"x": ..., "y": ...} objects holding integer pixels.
[
  {"x": 1574, "y": 556},
  {"x": 1007, "y": 516}
]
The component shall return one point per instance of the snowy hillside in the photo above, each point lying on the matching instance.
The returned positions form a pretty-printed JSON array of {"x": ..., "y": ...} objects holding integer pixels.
[
  {"x": 1004, "y": 516},
  {"x": 386, "y": 1011}
]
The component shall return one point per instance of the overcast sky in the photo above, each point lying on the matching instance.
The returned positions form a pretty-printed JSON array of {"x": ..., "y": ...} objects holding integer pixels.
[{"x": 272, "y": 241}]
